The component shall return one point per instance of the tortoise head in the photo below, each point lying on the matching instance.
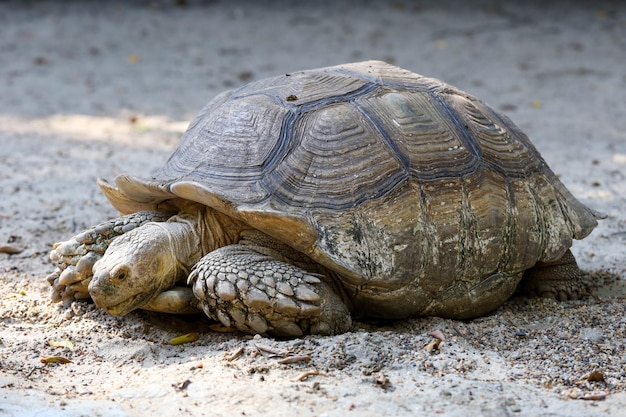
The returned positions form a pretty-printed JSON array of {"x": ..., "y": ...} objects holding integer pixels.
[{"x": 136, "y": 267}]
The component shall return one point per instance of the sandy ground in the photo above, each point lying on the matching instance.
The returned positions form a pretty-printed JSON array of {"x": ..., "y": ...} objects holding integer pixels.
[{"x": 95, "y": 89}]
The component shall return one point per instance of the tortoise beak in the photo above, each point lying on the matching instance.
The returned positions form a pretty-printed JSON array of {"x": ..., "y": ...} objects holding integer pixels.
[
  {"x": 126, "y": 306},
  {"x": 115, "y": 298}
]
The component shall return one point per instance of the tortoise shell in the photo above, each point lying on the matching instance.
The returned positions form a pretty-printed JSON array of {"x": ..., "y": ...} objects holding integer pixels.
[{"x": 415, "y": 193}]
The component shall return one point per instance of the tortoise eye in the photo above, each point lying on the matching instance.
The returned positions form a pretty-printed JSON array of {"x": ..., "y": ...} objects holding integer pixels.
[{"x": 122, "y": 275}]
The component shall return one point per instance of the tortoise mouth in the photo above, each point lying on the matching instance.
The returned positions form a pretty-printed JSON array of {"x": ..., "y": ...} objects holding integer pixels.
[{"x": 125, "y": 306}]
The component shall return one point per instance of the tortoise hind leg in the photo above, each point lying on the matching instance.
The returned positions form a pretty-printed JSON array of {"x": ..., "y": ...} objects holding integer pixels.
[
  {"x": 244, "y": 287},
  {"x": 560, "y": 279}
]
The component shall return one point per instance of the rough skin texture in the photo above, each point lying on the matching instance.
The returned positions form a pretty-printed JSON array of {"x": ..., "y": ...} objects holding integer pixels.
[
  {"x": 561, "y": 279},
  {"x": 253, "y": 292}
]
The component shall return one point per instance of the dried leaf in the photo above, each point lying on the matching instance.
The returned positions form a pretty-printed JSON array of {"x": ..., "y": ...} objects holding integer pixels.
[
  {"x": 61, "y": 343},
  {"x": 592, "y": 396},
  {"x": 595, "y": 376},
  {"x": 9, "y": 249},
  {"x": 54, "y": 359},
  {"x": 236, "y": 354},
  {"x": 306, "y": 375},
  {"x": 222, "y": 329},
  {"x": 294, "y": 359},
  {"x": 433, "y": 346},
  {"x": 273, "y": 351},
  {"x": 141, "y": 127},
  {"x": 186, "y": 338},
  {"x": 437, "y": 334}
]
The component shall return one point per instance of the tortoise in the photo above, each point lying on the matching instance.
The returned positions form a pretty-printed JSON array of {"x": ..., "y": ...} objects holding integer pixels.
[{"x": 295, "y": 203}]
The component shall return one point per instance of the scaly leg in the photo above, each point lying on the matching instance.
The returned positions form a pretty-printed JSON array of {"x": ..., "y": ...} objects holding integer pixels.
[
  {"x": 244, "y": 287},
  {"x": 560, "y": 279}
]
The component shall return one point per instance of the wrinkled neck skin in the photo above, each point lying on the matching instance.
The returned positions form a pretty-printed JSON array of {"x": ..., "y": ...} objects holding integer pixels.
[
  {"x": 146, "y": 261},
  {"x": 197, "y": 230}
]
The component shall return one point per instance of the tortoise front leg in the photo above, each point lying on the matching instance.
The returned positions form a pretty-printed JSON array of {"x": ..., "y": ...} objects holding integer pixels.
[
  {"x": 245, "y": 288},
  {"x": 176, "y": 300},
  {"x": 75, "y": 257}
]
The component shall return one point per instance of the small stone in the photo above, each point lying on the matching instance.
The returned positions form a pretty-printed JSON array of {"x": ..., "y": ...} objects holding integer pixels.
[{"x": 592, "y": 334}]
